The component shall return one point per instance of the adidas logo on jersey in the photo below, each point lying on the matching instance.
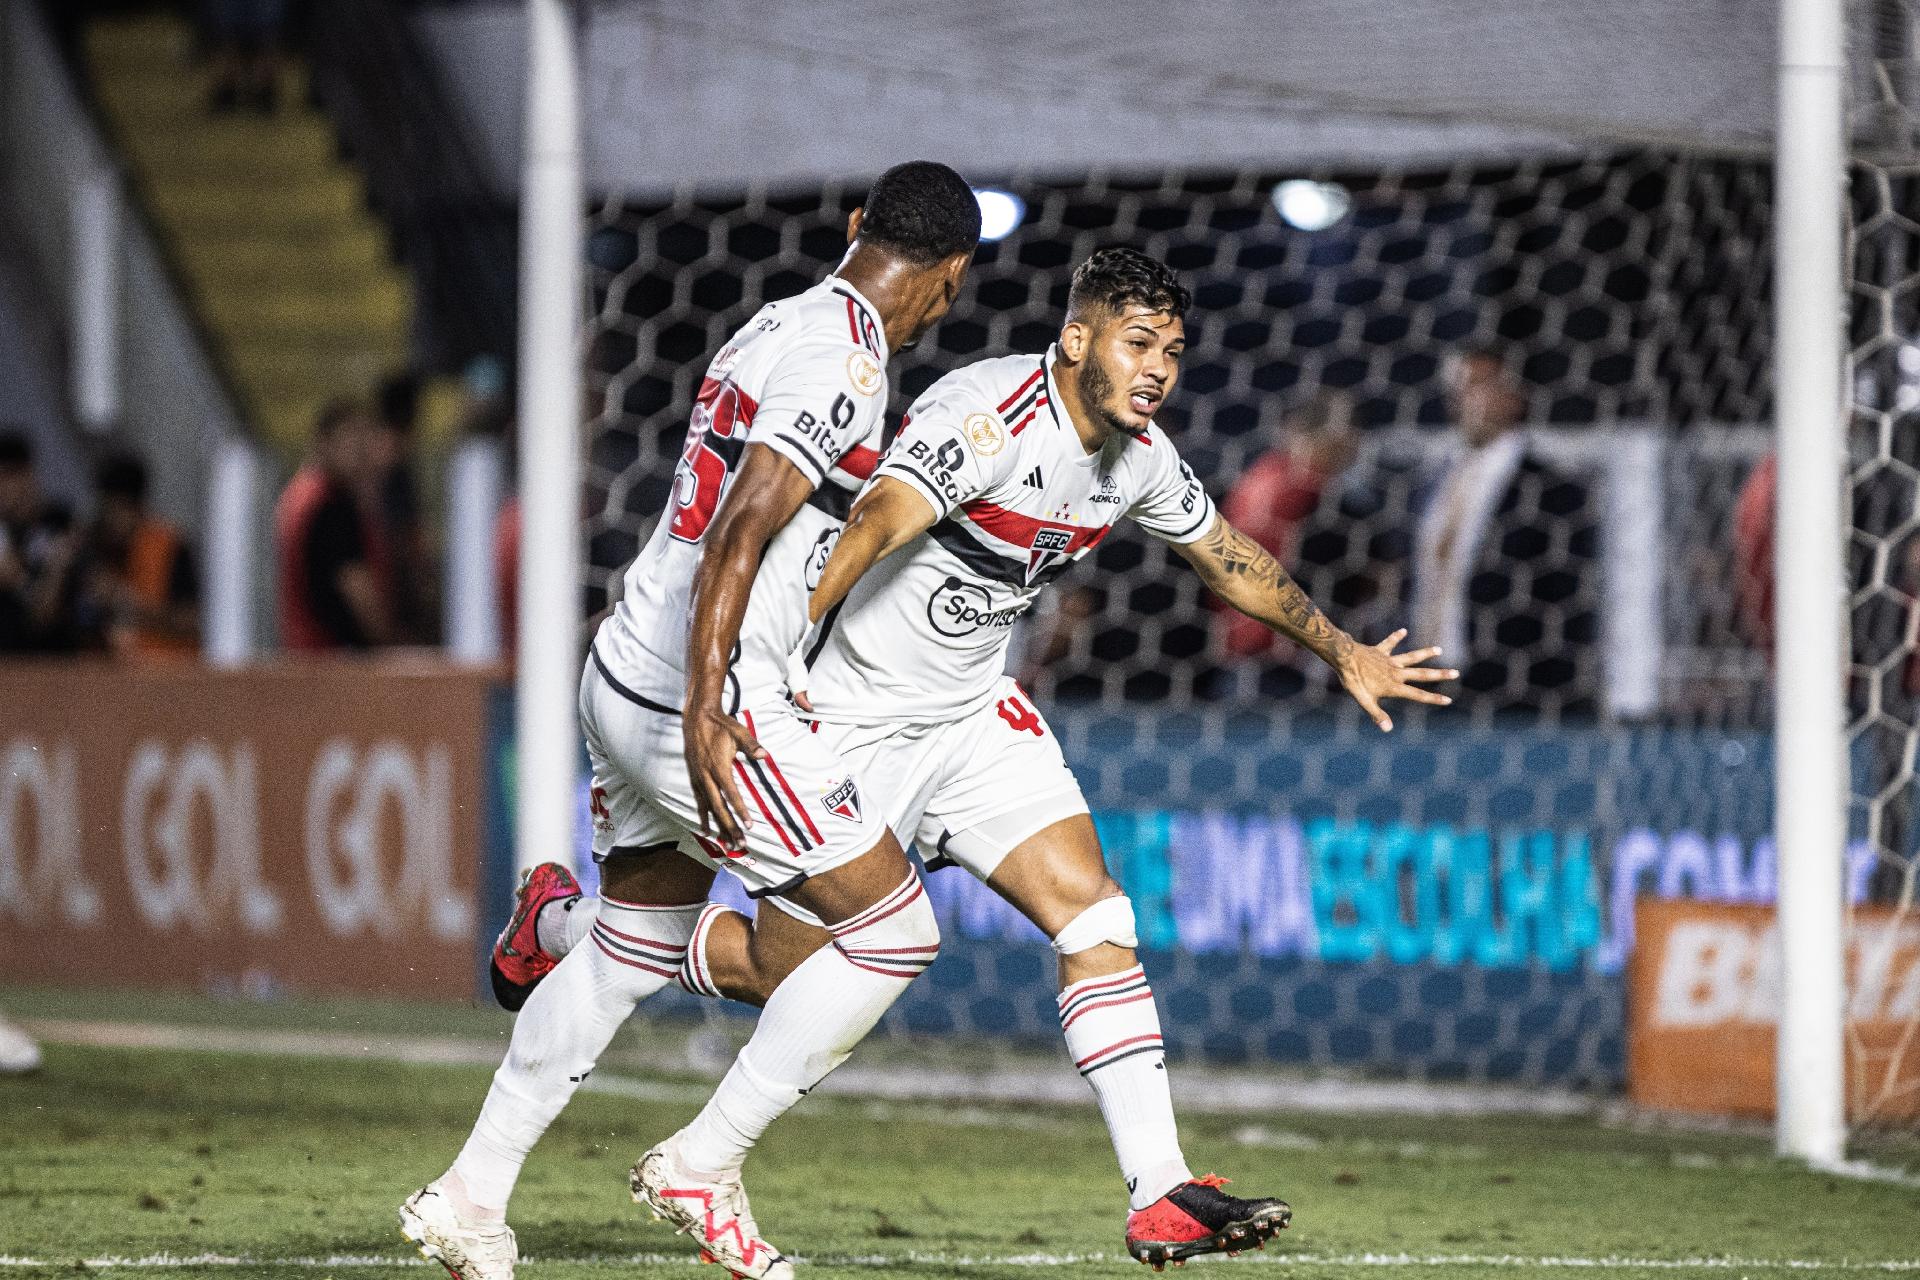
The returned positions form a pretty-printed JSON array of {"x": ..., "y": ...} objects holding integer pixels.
[{"x": 1034, "y": 479}]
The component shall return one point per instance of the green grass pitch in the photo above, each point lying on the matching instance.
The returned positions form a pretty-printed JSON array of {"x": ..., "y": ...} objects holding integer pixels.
[{"x": 112, "y": 1159}]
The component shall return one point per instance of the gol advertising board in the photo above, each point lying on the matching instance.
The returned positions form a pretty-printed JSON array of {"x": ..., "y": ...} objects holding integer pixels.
[
  {"x": 1703, "y": 998},
  {"x": 313, "y": 828}
]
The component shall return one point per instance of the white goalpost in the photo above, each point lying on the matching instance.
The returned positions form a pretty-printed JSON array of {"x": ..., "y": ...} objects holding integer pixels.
[
  {"x": 1810, "y": 751},
  {"x": 552, "y": 229}
]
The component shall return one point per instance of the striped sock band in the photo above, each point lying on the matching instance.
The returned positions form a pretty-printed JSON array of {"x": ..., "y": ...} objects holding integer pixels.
[
  {"x": 627, "y": 935},
  {"x": 695, "y": 974},
  {"x": 862, "y": 938},
  {"x": 1113, "y": 1033}
]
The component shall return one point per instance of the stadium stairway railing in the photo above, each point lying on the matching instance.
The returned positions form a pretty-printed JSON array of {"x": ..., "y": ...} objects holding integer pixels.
[{"x": 454, "y": 232}]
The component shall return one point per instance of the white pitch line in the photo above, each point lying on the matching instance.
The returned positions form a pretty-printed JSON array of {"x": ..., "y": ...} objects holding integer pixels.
[{"x": 1506, "y": 1261}]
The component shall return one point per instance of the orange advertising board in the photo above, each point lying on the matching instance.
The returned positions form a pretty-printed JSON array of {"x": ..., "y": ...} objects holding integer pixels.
[
  {"x": 310, "y": 828},
  {"x": 1703, "y": 995}
]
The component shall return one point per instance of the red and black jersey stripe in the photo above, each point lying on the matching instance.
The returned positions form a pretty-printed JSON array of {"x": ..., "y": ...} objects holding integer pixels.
[
  {"x": 860, "y": 322},
  {"x": 1008, "y": 556},
  {"x": 1018, "y": 409}
]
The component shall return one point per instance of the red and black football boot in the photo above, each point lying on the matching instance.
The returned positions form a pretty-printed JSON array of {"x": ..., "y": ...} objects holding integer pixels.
[
  {"x": 519, "y": 961},
  {"x": 1197, "y": 1217}
]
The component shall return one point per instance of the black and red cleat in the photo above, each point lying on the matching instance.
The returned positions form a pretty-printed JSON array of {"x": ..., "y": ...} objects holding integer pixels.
[
  {"x": 1196, "y": 1218},
  {"x": 519, "y": 961}
]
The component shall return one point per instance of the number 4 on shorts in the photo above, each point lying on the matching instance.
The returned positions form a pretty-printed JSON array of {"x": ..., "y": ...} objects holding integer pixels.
[{"x": 1020, "y": 716}]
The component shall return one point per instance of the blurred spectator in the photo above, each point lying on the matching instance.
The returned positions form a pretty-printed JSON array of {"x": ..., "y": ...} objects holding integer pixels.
[
  {"x": 416, "y": 600},
  {"x": 1503, "y": 553},
  {"x": 139, "y": 589},
  {"x": 244, "y": 37},
  {"x": 1753, "y": 554},
  {"x": 1277, "y": 494},
  {"x": 333, "y": 570},
  {"x": 38, "y": 549}
]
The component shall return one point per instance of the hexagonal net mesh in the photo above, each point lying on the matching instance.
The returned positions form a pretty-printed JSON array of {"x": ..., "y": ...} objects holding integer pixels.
[
  {"x": 1456, "y": 901},
  {"x": 1883, "y": 565},
  {"x": 1620, "y": 289}
]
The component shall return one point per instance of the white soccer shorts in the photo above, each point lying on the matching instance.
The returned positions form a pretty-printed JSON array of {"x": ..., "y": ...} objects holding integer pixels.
[
  {"x": 811, "y": 811},
  {"x": 969, "y": 791}
]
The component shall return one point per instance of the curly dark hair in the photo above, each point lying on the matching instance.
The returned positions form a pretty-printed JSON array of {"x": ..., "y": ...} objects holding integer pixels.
[
  {"x": 923, "y": 211},
  {"x": 1113, "y": 279}
]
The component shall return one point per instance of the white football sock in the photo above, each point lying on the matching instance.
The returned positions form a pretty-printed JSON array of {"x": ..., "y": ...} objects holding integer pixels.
[
  {"x": 696, "y": 974},
  {"x": 566, "y": 1025},
  {"x": 1113, "y": 1034},
  {"x": 811, "y": 1023},
  {"x": 561, "y": 924}
]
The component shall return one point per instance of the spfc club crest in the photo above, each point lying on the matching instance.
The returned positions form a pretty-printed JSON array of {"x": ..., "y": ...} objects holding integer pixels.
[
  {"x": 1048, "y": 546},
  {"x": 844, "y": 801}
]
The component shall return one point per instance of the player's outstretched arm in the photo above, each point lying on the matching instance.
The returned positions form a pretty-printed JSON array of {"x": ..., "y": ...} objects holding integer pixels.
[
  {"x": 764, "y": 495},
  {"x": 1245, "y": 575},
  {"x": 889, "y": 515}
]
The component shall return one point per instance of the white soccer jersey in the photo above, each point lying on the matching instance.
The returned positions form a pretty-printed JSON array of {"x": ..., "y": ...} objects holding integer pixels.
[
  {"x": 923, "y": 636},
  {"x": 807, "y": 378}
]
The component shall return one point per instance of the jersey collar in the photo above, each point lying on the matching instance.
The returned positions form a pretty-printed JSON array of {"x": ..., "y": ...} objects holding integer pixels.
[
  {"x": 841, "y": 285},
  {"x": 1053, "y": 392}
]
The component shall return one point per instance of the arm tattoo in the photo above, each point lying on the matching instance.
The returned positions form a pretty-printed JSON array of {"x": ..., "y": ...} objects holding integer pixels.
[{"x": 1251, "y": 580}]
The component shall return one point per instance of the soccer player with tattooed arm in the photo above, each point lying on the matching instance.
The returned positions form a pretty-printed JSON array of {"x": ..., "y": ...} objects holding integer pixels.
[{"x": 1004, "y": 473}]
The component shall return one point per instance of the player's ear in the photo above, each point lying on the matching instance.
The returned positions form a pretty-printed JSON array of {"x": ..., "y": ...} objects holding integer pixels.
[
  {"x": 853, "y": 223},
  {"x": 956, "y": 273},
  {"x": 1075, "y": 335}
]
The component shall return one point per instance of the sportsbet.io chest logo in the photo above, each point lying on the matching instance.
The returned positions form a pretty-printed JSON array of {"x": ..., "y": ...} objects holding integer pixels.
[{"x": 958, "y": 609}]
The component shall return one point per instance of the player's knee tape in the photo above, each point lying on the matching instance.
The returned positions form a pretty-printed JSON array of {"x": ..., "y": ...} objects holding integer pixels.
[
  {"x": 897, "y": 935},
  {"x": 1109, "y": 920}
]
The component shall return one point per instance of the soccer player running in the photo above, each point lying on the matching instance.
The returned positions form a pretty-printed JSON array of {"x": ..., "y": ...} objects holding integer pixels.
[
  {"x": 1006, "y": 472},
  {"x": 786, "y": 425}
]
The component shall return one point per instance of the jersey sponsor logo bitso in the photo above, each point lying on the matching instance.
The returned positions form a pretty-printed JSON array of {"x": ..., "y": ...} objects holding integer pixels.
[
  {"x": 843, "y": 801},
  {"x": 938, "y": 466},
  {"x": 958, "y": 609}
]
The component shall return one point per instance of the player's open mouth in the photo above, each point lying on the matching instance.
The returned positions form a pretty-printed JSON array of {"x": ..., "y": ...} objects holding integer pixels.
[{"x": 1143, "y": 402}]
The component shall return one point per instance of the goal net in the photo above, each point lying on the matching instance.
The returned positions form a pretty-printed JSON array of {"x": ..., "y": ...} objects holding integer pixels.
[
  {"x": 1456, "y": 900},
  {"x": 1883, "y": 567}
]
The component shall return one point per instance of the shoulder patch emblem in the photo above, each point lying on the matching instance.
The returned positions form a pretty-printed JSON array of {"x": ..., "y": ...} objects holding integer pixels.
[
  {"x": 864, "y": 372},
  {"x": 985, "y": 434}
]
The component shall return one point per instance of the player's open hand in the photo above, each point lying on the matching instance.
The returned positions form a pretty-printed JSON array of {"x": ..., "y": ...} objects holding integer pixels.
[
  {"x": 713, "y": 739},
  {"x": 1373, "y": 672}
]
